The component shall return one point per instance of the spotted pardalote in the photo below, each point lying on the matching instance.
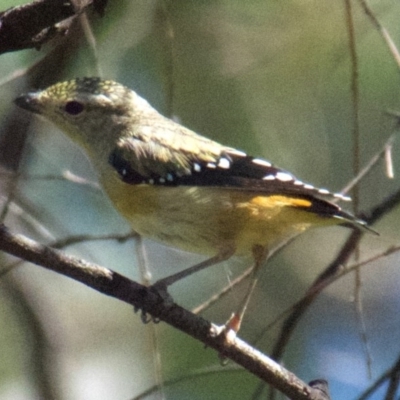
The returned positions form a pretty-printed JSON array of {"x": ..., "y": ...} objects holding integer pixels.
[{"x": 180, "y": 188}]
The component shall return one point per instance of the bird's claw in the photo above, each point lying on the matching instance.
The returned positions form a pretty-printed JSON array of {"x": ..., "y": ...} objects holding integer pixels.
[{"x": 228, "y": 331}]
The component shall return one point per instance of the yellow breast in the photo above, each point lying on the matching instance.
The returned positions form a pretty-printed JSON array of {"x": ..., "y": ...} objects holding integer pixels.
[{"x": 205, "y": 219}]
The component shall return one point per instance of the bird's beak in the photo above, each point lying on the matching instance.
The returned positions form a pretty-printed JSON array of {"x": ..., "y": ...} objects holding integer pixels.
[{"x": 29, "y": 101}]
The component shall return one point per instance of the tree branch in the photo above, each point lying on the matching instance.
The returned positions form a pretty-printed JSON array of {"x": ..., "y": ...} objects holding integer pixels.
[
  {"x": 149, "y": 302},
  {"x": 32, "y": 25}
]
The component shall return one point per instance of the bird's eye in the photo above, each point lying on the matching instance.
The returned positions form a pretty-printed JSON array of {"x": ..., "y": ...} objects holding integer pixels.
[{"x": 74, "y": 107}]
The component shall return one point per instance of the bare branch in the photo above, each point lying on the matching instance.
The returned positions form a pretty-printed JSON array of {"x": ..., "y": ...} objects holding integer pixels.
[
  {"x": 141, "y": 297},
  {"x": 33, "y": 24}
]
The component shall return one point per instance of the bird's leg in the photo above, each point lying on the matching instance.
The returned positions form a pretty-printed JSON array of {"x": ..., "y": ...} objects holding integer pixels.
[
  {"x": 233, "y": 324},
  {"x": 162, "y": 284}
]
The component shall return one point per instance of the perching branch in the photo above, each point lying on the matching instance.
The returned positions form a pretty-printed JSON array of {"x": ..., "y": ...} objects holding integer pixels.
[{"x": 149, "y": 302}]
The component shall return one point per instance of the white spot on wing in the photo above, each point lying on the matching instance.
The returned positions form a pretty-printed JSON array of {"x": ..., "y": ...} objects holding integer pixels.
[
  {"x": 196, "y": 167},
  {"x": 211, "y": 165},
  {"x": 261, "y": 162},
  {"x": 269, "y": 178},
  {"x": 237, "y": 153},
  {"x": 323, "y": 191},
  {"x": 283, "y": 176},
  {"x": 224, "y": 163},
  {"x": 309, "y": 187}
]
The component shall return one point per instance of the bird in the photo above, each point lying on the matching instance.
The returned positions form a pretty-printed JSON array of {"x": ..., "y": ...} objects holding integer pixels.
[{"x": 180, "y": 188}]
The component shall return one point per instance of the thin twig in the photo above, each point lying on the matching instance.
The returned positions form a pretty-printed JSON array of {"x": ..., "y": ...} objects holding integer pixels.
[
  {"x": 91, "y": 40},
  {"x": 383, "y": 31},
  {"x": 72, "y": 240},
  {"x": 170, "y": 56},
  {"x": 381, "y": 380},
  {"x": 334, "y": 268},
  {"x": 355, "y": 91},
  {"x": 145, "y": 278},
  {"x": 216, "y": 297},
  {"x": 330, "y": 281},
  {"x": 369, "y": 166},
  {"x": 274, "y": 252},
  {"x": 65, "y": 176}
]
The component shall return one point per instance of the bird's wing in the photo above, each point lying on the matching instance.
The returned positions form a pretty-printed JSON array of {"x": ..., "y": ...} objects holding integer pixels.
[
  {"x": 197, "y": 161},
  {"x": 153, "y": 162}
]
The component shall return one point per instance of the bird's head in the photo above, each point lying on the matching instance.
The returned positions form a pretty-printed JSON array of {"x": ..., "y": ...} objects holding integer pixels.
[{"x": 84, "y": 107}]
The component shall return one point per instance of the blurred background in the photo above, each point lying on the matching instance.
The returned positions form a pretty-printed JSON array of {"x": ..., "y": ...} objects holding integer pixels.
[{"x": 271, "y": 78}]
